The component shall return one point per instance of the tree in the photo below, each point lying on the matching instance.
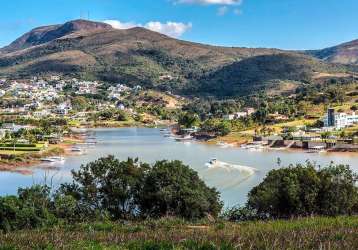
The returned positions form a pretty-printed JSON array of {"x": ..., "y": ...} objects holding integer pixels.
[
  {"x": 303, "y": 190},
  {"x": 217, "y": 126},
  {"x": 338, "y": 193},
  {"x": 188, "y": 120},
  {"x": 30, "y": 209},
  {"x": 326, "y": 135},
  {"x": 118, "y": 115},
  {"x": 260, "y": 115},
  {"x": 79, "y": 103},
  {"x": 174, "y": 189},
  {"x": 108, "y": 185},
  {"x": 224, "y": 128}
]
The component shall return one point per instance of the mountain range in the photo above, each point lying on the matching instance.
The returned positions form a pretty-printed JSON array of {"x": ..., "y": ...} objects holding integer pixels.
[{"x": 137, "y": 56}]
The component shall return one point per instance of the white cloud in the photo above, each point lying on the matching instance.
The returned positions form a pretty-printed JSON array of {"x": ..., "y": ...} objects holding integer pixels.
[
  {"x": 173, "y": 29},
  {"x": 211, "y": 2},
  {"x": 169, "y": 28},
  {"x": 237, "y": 12},
  {"x": 222, "y": 10},
  {"x": 120, "y": 25}
]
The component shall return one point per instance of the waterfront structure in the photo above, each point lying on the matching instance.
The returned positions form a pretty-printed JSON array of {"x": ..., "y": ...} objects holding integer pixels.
[{"x": 339, "y": 120}]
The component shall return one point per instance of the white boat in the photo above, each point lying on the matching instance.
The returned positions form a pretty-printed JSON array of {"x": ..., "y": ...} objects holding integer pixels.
[
  {"x": 213, "y": 161},
  {"x": 79, "y": 130},
  {"x": 216, "y": 164},
  {"x": 253, "y": 146},
  {"x": 53, "y": 159},
  {"x": 225, "y": 145},
  {"x": 48, "y": 160},
  {"x": 317, "y": 149},
  {"x": 87, "y": 143},
  {"x": 76, "y": 149},
  {"x": 185, "y": 138},
  {"x": 58, "y": 158}
]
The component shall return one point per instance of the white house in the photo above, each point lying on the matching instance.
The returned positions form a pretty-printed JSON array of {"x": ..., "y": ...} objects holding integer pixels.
[
  {"x": 238, "y": 115},
  {"x": 41, "y": 113},
  {"x": 63, "y": 109},
  {"x": 339, "y": 120}
]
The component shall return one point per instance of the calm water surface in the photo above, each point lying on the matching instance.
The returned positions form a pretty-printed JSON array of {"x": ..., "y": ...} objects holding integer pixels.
[{"x": 149, "y": 145}]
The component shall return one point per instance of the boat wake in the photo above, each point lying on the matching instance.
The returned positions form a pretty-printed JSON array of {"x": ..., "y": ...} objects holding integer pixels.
[
  {"x": 231, "y": 167},
  {"x": 226, "y": 176}
]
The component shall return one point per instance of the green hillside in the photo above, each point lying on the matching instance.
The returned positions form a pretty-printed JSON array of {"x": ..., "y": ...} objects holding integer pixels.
[{"x": 138, "y": 56}]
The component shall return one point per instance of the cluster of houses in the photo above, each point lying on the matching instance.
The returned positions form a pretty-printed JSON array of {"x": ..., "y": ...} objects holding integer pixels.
[
  {"x": 41, "y": 90},
  {"x": 36, "y": 90},
  {"x": 116, "y": 92},
  {"x": 35, "y": 98},
  {"x": 86, "y": 87}
]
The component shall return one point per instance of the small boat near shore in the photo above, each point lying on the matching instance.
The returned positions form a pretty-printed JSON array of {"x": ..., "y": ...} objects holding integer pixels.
[
  {"x": 87, "y": 143},
  {"x": 253, "y": 146},
  {"x": 184, "y": 138},
  {"x": 316, "y": 149},
  {"x": 225, "y": 145},
  {"x": 80, "y": 130},
  {"x": 53, "y": 159},
  {"x": 76, "y": 149}
]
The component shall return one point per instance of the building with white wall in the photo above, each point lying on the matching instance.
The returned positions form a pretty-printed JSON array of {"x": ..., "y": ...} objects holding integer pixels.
[{"x": 339, "y": 120}]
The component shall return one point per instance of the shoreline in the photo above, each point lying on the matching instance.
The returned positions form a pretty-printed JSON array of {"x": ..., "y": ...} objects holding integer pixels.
[
  {"x": 32, "y": 160},
  {"x": 292, "y": 149},
  {"x": 224, "y": 143}
]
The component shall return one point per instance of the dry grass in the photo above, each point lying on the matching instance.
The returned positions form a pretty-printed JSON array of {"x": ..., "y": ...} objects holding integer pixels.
[
  {"x": 309, "y": 233},
  {"x": 237, "y": 138}
]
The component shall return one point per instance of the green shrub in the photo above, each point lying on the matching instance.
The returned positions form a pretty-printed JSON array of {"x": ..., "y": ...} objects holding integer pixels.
[
  {"x": 31, "y": 209},
  {"x": 128, "y": 189},
  {"x": 173, "y": 189},
  {"x": 304, "y": 190},
  {"x": 107, "y": 185}
]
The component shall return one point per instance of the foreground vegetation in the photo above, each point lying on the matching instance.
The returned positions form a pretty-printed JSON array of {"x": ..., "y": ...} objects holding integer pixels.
[
  {"x": 133, "y": 205},
  {"x": 307, "y": 233}
]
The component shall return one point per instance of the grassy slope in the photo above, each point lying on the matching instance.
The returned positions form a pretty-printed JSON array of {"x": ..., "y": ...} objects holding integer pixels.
[
  {"x": 310, "y": 233},
  {"x": 138, "y": 56}
]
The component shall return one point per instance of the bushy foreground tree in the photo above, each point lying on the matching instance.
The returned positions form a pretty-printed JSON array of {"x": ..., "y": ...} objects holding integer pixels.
[
  {"x": 31, "y": 208},
  {"x": 113, "y": 189},
  {"x": 130, "y": 189},
  {"x": 171, "y": 188},
  {"x": 108, "y": 186},
  {"x": 304, "y": 190}
]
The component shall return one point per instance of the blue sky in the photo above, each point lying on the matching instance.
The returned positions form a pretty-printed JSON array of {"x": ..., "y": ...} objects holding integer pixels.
[{"x": 286, "y": 24}]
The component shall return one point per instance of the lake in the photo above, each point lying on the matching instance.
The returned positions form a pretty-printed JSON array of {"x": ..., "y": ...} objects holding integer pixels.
[{"x": 149, "y": 145}]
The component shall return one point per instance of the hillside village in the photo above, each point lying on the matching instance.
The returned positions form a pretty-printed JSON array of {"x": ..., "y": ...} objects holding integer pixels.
[{"x": 80, "y": 103}]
